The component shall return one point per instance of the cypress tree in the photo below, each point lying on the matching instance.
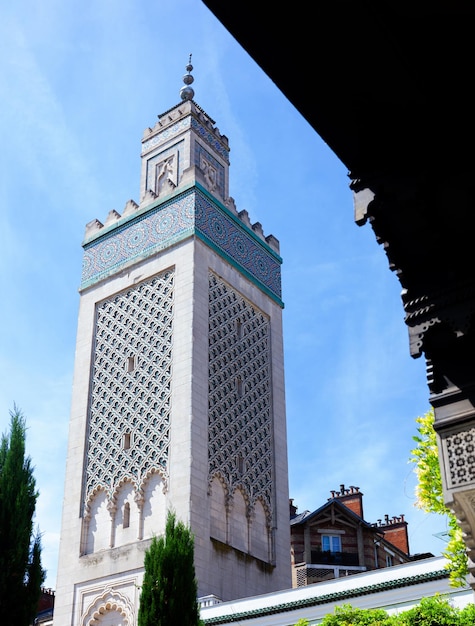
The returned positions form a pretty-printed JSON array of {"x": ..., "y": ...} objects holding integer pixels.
[
  {"x": 169, "y": 590},
  {"x": 21, "y": 573}
]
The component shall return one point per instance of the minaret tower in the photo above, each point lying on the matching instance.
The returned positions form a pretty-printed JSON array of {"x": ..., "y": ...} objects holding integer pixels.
[{"x": 178, "y": 395}]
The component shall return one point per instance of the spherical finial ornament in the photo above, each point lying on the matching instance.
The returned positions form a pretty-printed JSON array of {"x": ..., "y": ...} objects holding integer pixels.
[{"x": 187, "y": 93}]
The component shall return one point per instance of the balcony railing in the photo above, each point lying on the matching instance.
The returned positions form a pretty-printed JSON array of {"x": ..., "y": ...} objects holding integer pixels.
[
  {"x": 335, "y": 558},
  {"x": 308, "y": 574}
]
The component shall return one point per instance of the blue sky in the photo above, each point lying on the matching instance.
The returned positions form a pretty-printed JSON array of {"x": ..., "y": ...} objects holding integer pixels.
[{"x": 79, "y": 83}]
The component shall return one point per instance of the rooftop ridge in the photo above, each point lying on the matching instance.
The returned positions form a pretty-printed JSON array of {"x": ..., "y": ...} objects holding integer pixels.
[{"x": 329, "y": 597}]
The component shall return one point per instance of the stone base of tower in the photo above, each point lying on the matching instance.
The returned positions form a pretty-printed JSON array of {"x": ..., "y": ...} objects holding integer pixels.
[
  {"x": 117, "y": 592},
  {"x": 249, "y": 573},
  {"x": 115, "y": 595}
]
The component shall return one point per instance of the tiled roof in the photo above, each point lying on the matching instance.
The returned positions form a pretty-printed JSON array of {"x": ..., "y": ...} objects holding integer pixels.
[
  {"x": 331, "y": 597},
  {"x": 386, "y": 579}
]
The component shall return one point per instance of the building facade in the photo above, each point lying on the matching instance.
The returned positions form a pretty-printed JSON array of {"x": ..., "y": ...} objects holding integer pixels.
[
  {"x": 178, "y": 394},
  {"x": 335, "y": 541}
]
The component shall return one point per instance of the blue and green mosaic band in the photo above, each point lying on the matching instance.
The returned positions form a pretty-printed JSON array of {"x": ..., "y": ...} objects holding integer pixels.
[{"x": 190, "y": 213}]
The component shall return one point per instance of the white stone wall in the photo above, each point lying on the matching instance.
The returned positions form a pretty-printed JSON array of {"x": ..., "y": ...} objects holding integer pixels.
[
  {"x": 104, "y": 568},
  {"x": 229, "y": 573}
]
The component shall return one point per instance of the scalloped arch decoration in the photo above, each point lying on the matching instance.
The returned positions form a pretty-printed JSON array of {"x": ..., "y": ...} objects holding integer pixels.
[
  {"x": 218, "y": 477},
  {"x": 111, "y": 604},
  {"x": 260, "y": 531},
  {"x": 95, "y": 493},
  {"x": 154, "y": 504},
  {"x": 97, "y": 522},
  {"x": 160, "y": 472},
  {"x": 239, "y": 520},
  {"x": 265, "y": 507},
  {"x": 125, "y": 480},
  {"x": 218, "y": 500}
]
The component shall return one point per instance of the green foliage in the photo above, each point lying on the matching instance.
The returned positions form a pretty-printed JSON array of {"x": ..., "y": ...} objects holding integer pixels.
[
  {"x": 467, "y": 615},
  {"x": 425, "y": 456},
  {"x": 346, "y": 615},
  {"x": 430, "y": 497},
  {"x": 434, "y": 611},
  {"x": 169, "y": 590},
  {"x": 302, "y": 622},
  {"x": 21, "y": 574}
]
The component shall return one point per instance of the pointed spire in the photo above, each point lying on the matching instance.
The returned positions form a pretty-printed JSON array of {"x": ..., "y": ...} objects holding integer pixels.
[{"x": 187, "y": 92}]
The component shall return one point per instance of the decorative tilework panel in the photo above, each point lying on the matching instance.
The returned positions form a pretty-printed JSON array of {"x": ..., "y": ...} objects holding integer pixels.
[
  {"x": 153, "y": 231},
  {"x": 201, "y": 152},
  {"x": 170, "y": 222},
  {"x": 166, "y": 134},
  {"x": 129, "y": 412},
  {"x": 240, "y": 417},
  {"x": 175, "y": 129},
  {"x": 461, "y": 457},
  {"x": 237, "y": 244},
  {"x": 151, "y": 178},
  {"x": 210, "y": 139}
]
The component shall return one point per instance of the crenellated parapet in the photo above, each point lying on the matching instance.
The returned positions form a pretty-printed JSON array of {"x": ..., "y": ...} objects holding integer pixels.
[
  {"x": 120, "y": 241},
  {"x": 95, "y": 228}
]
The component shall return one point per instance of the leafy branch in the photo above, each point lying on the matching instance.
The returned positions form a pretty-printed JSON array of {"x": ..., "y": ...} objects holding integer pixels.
[{"x": 430, "y": 497}]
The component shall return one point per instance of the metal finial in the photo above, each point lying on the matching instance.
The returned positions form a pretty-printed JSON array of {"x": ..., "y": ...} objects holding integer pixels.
[{"x": 187, "y": 92}]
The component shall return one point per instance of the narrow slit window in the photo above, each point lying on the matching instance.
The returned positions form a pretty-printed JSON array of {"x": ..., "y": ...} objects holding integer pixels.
[
  {"x": 130, "y": 363},
  {"x": 126, "y": 441},
  {"x": 239, "y": 328},
  {"x": 240, "y": 464},
  {"x": 126, "y": 515},
  {"x": 239, "y": 386}
]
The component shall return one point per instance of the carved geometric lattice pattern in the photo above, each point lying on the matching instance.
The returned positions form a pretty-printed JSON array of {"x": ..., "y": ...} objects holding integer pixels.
[
  {"x": 240, "y": 416},
  {"x": 129, "y": 409},
  {"x": 461, "y": 456}
]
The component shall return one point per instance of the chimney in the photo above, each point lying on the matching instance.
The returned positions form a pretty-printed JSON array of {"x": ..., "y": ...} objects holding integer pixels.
[
  {"x": 46, "y": 600},
  {"x": 395, "y": 531},
  {"x": 293, "y": 508},
  {"x": 351, "y": 497}
]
